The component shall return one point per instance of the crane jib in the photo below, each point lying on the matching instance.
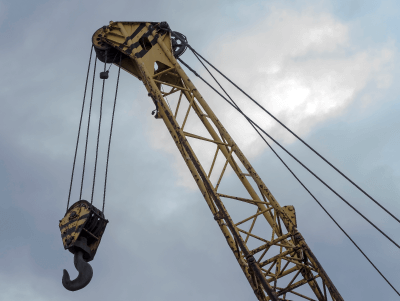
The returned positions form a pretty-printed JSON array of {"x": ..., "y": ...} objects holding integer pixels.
[
  {"x": 142, "y": 45},
  {"x": 276, "y": 261}
]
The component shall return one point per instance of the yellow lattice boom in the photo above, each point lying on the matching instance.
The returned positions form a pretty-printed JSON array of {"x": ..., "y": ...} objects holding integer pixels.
[{"x": 262, "y": 235}]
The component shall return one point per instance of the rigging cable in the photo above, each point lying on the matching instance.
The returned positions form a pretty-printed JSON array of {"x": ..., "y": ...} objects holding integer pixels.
[
  {"x": 294, "y": 134},
  {"x": 88, "y": 126},
  {"x": 301, "y": 183},
  {"x": 111, "y": 128},
  {"x": 98, "y": 131},
  {"x": 290, "y": 154},
  {"x": 79, "y": 129}
]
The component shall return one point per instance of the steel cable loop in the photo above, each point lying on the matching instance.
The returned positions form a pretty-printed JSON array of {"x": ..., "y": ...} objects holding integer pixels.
[
  {"x": 294, "y": 134},
  {"x": 88, "y": 126},
  {"x": 79, "y": 129},
  {"x": 111, "y": 128},
  {"x": 98, "y": 133},
  {"x": 290, "y": 154},
  {"x": 301, "y": 183}
]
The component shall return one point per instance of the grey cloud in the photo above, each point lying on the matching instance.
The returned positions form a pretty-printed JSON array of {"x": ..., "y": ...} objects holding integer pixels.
[{"x": 150, "y": 251}]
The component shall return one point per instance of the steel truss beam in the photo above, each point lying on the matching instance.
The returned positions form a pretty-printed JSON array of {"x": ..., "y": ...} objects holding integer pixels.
[{"x": 283, "y": 255}]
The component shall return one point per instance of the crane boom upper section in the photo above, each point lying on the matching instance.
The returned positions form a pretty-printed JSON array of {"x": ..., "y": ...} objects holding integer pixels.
[{"x": 278, "y": 261}]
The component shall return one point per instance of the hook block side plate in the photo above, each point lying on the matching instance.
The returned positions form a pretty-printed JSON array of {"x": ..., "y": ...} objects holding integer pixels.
[{"x": 82, "y": 220}]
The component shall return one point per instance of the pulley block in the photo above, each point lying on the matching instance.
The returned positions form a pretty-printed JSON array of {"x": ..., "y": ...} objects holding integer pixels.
[{"x": 81, "y": 230}]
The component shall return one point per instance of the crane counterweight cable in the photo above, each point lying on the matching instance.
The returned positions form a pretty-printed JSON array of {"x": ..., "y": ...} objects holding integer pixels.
[
  {"x": 297, "y": 160},
  {"x": 255, "y": 126},
  {"x": 295, "y": 135}
]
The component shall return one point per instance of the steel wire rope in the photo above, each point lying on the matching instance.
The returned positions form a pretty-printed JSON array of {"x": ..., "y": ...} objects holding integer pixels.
[
  {"x": 111, "y": 128},
  {"x": 79, "y": 129},
  {"x": 98, "y": 132},
  {"x": 115, "y": 56},
  {"x": 294, "y": 134},
  {"x": 290, "y": 154},
  {"x": 301, "y": 183},
  {"x": 88, "y": 126}
]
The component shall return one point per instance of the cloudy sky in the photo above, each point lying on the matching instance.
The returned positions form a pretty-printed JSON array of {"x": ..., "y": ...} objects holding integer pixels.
[{"x": 328, "y": 69}]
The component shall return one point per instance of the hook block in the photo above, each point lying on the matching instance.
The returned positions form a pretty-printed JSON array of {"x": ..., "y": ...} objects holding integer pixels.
[{"x": 82, "y": 228}]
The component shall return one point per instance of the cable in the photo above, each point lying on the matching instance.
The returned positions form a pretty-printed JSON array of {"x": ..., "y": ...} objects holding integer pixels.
[
  {"x": 305, "y": 143},
  {"x": 109, "y": 140},
  {"x": 87, "y": 132},
  {"x": 301, "y": 183},
  {"x": 112, "y": 61},
  {"x": 79, "y": 129},
  {"x": 290, "y": 154},
  {"x": 331, "y": 217},
  {"x": 98, "y": 133}
]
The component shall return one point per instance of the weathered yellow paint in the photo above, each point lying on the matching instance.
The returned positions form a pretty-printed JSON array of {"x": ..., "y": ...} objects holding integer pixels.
[
  {"x": 75, "y": 223},
  {"x": 291, "y": 214},
  {"x": 72, "y": 220},
  {"x": 288, "y": 254}
]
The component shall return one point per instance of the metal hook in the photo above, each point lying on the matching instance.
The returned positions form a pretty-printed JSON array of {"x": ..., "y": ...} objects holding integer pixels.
[{"x": 85, "y": 274}]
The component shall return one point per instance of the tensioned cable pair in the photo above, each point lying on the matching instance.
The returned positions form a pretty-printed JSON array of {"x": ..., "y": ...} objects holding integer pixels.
[{"x": 258, "y": 129}]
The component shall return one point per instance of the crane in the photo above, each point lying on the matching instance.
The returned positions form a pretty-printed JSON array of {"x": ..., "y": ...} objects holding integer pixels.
[{"x": 276, "y": 263}]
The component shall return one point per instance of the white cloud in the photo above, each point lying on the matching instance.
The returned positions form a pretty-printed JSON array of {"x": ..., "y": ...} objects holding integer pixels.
[{"x": 304, "y": 67}]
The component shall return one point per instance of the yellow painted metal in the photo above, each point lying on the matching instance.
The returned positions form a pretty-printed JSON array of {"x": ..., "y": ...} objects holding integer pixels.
[
  {"x": 81, "y": 220},
  {"x": 76, "y": 216},
  {"x": 281, "y": 257},
  {"x": 291, "y": 213}
]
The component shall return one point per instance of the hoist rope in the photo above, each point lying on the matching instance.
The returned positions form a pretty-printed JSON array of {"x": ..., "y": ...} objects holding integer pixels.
[
  {"x": 111, "y": 128},
  {"x": 98, "y": 132},
  {"x": 115, "y": 56},
  {"x": 301, "y": 183},
  {"x": 87, "y": 131},
  {"x": 294, "y": 134},
  {"x": 79, "y": 129},
  {"x": 290, "y": 154}
]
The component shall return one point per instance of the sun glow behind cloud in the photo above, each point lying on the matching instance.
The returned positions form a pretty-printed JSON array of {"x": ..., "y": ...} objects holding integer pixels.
[{"x": 304, "y": 67}]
